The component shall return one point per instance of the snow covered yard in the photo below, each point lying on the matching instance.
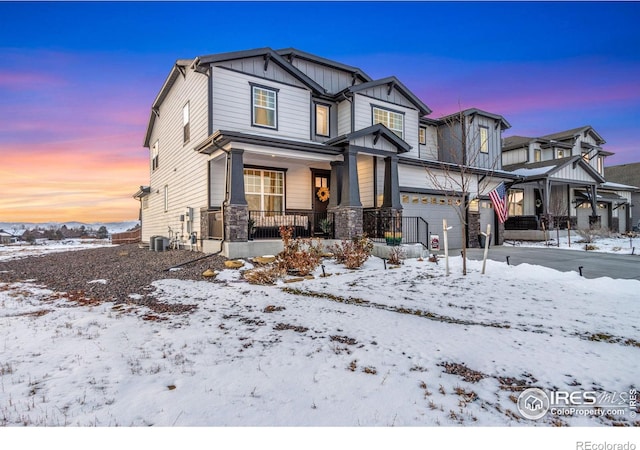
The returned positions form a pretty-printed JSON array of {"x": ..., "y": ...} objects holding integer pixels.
[
  {"x": 372, "y": 347},
  {"x": 25, "y": 250}
]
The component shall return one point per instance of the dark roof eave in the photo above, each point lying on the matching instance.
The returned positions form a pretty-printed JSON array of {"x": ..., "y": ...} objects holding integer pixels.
[
  {"x": 325, "y": 62},
  {"x": 222, "y": 57},
  {"x": 222, "y": 137},
  {"x": 424, "y": 109},
  {"x": 378, "y": 128}
]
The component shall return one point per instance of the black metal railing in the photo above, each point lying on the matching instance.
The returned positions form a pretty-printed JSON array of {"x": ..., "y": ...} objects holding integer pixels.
[
  {"x": 266, "y": 224},
  {"x": 395, "y": 228}
]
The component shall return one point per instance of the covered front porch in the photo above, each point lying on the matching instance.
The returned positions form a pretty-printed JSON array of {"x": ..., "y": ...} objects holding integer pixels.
[{"x": 323, "y": 193}]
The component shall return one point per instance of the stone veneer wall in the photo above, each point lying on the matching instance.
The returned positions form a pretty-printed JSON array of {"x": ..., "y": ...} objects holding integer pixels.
[
  {"x": 236, "y": 222},
  {"x": 347, "y": 222}
]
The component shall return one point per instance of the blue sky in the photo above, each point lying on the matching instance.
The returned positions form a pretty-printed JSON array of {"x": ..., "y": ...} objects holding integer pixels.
[{"x": 77, "y": 79}]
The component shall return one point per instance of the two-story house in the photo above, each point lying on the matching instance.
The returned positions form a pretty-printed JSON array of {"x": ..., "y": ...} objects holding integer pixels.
[
  {"x": 241, "y": 143},
  {"x": 563, "y": 178}
]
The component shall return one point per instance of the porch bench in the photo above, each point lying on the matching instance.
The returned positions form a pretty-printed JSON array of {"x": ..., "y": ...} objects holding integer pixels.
[{"x": 269, "y": 226}]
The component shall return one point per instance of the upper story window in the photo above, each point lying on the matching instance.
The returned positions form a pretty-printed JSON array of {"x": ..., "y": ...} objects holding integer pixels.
[
  {"x": 585, "y": 156},
  {"x": 322, "y": 120},
  {"x": 264, "y": 190},
  {"x": 422, "y": 135},
  {"x": 154, "y": 156},
  {"x": 186, "y": 131},
  {"x": 600, "y": 163},
  {"x": 390, "y": 119},
  {"x": 484, "y": 139},
  {"x": 265, "y": 106},
  {"x": 537, "y": 155},
  {"x": 559, "y": 153}
]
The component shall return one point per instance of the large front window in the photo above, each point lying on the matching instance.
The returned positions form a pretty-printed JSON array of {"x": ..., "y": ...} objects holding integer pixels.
[
  {"x": 516, "y": 202},
  {"x": 390, "y": 119},
  {"x": 264, "y": 107},
  {"x": 264, "y": 190}
]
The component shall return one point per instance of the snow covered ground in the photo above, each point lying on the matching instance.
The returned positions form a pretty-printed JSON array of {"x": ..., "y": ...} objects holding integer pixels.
[
  {"x": 404, "y": 347},
  {"x": 619, "y": 245},
  {"x": 24, "y": 249}
]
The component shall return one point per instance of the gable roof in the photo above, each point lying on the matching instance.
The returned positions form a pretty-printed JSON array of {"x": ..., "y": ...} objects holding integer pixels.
[
  {"x": 393, "y": 83},
  {"x": 543, "y": 169},
  {"x": 475, "y": 111},
  {"x": 269, "y": 55},
  {"x": 513, "y": 142},
  {"x": 292, "y": 53},
  {"x": 574, "y": 132},
  {"x": 378, "y": 130}
]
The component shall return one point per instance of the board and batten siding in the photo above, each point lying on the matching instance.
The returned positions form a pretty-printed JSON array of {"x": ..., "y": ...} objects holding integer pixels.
[
  {"x": 180, "y": 168},
  {"x": 255, "y": 66},
  {"x": 344, "y": 117},
  {"x": 232, "y": 105},
  {"x": 569, "y": 173},
  {"x": 332, "y": 79},
  {"x": 364, "y": 118},
  {"x": 516, "y": 156},
  {"x": 476, "y": 158},
  {"x": 428, "y": 151}
]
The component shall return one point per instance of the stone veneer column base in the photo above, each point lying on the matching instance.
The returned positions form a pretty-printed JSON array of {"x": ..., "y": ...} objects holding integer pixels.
[
  {"x": 473, "y": 225},
  {"x": 236, "y": 223},
  {"x": 347, "y": 221}
]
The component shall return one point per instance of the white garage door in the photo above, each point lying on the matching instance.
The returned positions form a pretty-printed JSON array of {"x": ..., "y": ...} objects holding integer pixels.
[
  {"x": 584, "y": 211},
  {"x": 434, "y": 208}
]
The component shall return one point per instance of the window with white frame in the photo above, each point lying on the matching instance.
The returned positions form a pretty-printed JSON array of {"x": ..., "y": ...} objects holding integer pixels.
[
  {"x": 484, "y": 139},
  {"x": 186, "y": 131},
  {"x": 390, "y": 119},
  {"x": 154, "y": 156},
  {"x": 537, "y": 155},
  {"x": 265, "y": 106},
  {"x": 516, "y": 202},
  {"x": 264, "y": 190},
  {"x": 422, "y": 135},
  {"x": 559, "y": 153},
  {"x": 322, "y": 120},
  {"x": 600, "y": 163}
]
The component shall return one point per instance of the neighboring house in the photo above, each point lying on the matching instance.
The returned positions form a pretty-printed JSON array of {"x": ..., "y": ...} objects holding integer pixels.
[
  {"x": 7, "y": 238},
  {"x": 563, "y": 180},
  {"x": 241, "y": 143},
  {"x": 627, "y": 175}
]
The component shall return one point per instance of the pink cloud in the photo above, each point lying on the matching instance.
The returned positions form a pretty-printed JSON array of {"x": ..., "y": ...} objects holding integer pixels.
[{"x": 19, "y": 81}]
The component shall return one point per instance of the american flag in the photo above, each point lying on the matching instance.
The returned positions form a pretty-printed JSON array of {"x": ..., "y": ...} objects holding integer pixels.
[{"x": 499, "y": 199}]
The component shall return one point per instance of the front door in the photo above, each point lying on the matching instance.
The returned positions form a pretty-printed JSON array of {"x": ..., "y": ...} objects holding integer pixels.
[{"x": 321, "y": 192}]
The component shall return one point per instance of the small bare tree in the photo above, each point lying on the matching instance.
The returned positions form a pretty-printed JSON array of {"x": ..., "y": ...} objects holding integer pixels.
[
  {"x": 464, "y": 168},
  {"x": 557, "y": 209}
]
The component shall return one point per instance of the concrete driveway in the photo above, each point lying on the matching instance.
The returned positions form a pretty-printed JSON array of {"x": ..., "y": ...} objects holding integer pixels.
[{"x": 594, "y": 265}]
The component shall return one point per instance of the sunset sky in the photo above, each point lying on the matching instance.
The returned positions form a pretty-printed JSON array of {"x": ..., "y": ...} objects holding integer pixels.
[{"x": 77, "y": 79}]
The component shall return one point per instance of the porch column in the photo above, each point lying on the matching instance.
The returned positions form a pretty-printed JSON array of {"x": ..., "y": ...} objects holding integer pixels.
[
  {"x": 391, "y": 196},
  {"x": 236, "y": 210},
  {"x": 347, "y": 213},
  {"x": 350, "y": 187},
  {"x": 594, "y": 221}
]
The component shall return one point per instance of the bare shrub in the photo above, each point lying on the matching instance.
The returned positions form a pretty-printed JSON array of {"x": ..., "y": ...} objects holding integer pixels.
[
  {"x": 265, "y": 274},
  {"x": 396, "y": 256},
  {"x": 302, "y": 256},
  {"x": 589, "y": 235},
  {"x": 353, "y": 253}
]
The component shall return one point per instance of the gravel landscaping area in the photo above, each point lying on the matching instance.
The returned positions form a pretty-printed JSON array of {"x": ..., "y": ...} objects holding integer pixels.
[{"x": 110, "y": 273}]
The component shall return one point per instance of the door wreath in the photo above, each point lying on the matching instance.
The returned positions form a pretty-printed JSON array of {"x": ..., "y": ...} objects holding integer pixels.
[{"x": 323, "y": 194}]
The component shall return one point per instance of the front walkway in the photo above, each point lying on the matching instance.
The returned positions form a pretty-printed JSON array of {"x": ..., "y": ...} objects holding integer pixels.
[{"x": 594, "y": 264}]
